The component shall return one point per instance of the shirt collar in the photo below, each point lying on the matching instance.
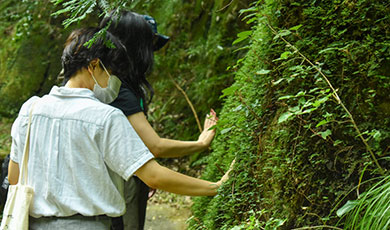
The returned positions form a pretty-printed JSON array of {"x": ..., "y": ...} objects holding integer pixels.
[{"x": 72, "y": 92}]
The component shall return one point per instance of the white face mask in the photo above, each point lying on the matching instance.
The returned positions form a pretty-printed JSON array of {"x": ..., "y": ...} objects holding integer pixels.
[{"x": 110, "y": 93}]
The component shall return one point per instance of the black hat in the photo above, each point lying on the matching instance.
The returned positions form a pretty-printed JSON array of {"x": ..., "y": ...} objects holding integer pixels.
[{"x": 161, "y": 39}]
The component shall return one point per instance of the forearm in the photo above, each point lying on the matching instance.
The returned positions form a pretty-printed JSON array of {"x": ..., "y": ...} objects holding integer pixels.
[
  {"x": 13, "y": 172},
  {"x": 173, "y": 148},
  {"x": 159, "y": 177},
  {"x": 162, "y": 147}
]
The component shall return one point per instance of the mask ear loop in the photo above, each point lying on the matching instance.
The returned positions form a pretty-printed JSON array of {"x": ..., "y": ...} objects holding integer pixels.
[
  {"x": 93, "y": 77},
  {"x": 109, "y": 75}
]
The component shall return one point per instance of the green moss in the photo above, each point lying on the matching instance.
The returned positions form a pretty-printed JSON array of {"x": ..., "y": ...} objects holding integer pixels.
[{"x": 295, "y": 173}]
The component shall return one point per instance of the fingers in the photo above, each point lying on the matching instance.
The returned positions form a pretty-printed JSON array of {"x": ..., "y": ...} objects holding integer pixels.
[
  {"x": 211, "y": 120},
  {"x": 226, "y": 176},
  {"x": 214, "y": 114}
]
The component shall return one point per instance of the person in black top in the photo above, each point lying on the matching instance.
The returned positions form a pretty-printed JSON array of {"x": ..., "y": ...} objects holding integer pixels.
[
  {"x": 136, "y": 191},
  {"x": 139, "y": 35}
]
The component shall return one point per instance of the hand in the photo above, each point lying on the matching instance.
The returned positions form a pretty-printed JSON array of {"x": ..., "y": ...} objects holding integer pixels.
[
  {"x": 208, "y": 135},
  {"x": 151, "y": 193},
  {"x": 226, "y": 176}
]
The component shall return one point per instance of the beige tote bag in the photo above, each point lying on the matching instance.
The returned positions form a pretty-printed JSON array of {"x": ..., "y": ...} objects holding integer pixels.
[{"x": 16, "y": 209}]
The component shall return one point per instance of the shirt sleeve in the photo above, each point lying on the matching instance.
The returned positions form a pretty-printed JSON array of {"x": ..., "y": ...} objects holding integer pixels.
[
  {"x": 14, "y": 146},
  {"x": 19, "y": 131},
  {"x": 127, "y": 102},
  {"x": 123, "y": 150}
]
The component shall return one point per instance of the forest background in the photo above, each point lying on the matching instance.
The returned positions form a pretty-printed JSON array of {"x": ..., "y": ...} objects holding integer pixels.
[{"x": 301, "y": 88}]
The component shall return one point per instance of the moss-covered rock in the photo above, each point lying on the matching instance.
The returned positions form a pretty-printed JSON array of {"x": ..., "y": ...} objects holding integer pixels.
[{"x": 298, "y": 154}]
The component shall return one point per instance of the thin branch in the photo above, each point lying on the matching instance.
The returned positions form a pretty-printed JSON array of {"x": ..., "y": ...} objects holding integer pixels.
[
  {"x": 320, "y": 226},
  {"x": 219, "y": 168},
  {"x": 189, "y": 103},
  {"x": 225, "y": 6},
  {"x": 335, "y": 95}
]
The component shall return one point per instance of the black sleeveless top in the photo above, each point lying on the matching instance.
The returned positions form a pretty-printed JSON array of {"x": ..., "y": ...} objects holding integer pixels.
[{"x": 128, "y": 102}]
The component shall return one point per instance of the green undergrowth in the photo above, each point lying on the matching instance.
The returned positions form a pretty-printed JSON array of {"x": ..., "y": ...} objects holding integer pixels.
[{"x": 299, "y": 157}]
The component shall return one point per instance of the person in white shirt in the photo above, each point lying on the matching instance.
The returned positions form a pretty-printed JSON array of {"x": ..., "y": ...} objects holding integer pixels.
[{"x": 81, "y": 149}]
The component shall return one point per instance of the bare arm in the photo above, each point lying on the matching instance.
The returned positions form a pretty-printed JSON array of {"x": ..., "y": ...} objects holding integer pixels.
[
  {"x": 159, "y": 177},
  {"x": 13, "y": 172},
  {"x": 165, "y": 148}
]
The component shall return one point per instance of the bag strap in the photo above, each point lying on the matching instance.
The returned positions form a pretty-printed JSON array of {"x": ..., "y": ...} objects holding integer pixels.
[{"x": 23, "y": 166}]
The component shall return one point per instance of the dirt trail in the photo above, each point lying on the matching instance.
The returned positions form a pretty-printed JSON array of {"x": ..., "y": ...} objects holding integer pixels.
[{"x": 167, "y": 214}]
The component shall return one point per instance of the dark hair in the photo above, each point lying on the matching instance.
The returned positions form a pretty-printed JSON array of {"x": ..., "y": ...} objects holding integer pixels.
[
  {"x": 137, "y": 36},
  {"x": 77, "y": 55}
]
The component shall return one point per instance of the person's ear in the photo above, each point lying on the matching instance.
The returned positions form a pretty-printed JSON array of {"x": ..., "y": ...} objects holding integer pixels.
[{"x": 92, "y": 65}]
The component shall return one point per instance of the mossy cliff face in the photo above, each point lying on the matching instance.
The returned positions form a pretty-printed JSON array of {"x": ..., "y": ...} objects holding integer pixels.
[{"x": 299, "y": 158}]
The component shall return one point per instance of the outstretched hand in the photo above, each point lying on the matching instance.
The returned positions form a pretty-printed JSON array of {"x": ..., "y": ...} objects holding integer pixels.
[
  {"x": 226, "y": 176},
  {"x": 208, "y": 135}
]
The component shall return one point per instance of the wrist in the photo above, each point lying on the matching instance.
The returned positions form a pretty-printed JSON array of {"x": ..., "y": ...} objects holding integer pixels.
[
  {"x": 202, "y": 145},
  {"x": 215, "y": 186}
]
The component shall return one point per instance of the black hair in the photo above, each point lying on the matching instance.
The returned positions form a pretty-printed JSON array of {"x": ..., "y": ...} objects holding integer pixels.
[
  {"x": 137, "y": 36},
  {"x": 78, "y": 55}
]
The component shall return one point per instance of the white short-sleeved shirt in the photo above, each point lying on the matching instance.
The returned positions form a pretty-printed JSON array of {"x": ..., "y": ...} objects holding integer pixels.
[{"x": 80, "y": 152}]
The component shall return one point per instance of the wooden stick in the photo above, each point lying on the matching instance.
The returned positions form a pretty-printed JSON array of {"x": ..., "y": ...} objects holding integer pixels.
[
  {"x": 225, "y": 6},
  {"x": 189, "y": 103}
]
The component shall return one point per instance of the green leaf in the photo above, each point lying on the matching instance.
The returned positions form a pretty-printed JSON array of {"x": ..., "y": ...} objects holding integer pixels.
[
  {"x": 238, "y": 108},
  {"x": 284, "y": 117},
  {"x": 238, "y": 227},
  {"x": 295, "y": 27},
  {"x": 337, "y": 142},
  {"x": 252, "y": 15},
  {"x": 251, "y": 20},
  {"x": 301, "y": 93},
  {"x": 263, "y": 72},
  {"x": 277, "y": 82},
  {"x": 282, "y": 34},
  {"x": 351, "y": 204},
  {"x": 325, "y": 134},
  {"x": 251, "y": 9},
  {"x": 223, "y": 131},
  {"x": 309, "y": 110},
  {"x": 295, "y": 109},
  {"x": 323, "y": 122},
  {"x": 320, "y": 101},
  {"x": 229, "y": 91},
  {"x": 285, "y": 55},
  {"x": 242, "y": 36},
  {"x": 327, "y": 49},
  {"x": 286, "y": 97},
  {"x": 377, "y": 135}
]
